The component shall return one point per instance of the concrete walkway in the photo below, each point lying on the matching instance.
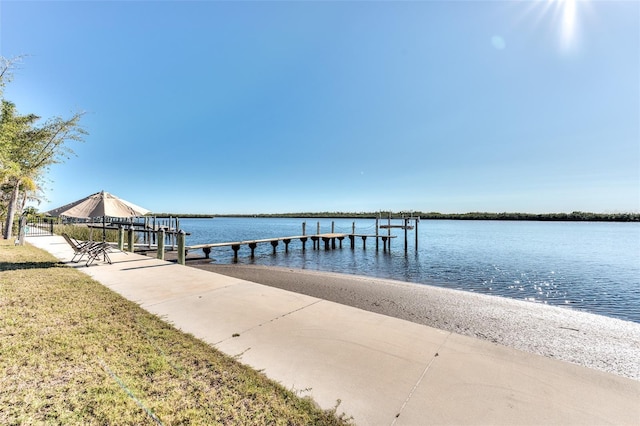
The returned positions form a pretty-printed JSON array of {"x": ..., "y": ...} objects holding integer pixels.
[{"x": 383, "y": 370}]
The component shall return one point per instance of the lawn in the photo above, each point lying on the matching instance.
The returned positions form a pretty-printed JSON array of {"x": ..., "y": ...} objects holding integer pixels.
[{"x": 74, "y": 352}]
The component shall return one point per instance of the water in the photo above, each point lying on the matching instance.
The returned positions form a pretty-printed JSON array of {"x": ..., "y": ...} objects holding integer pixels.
[{"x": 590, "y": 266}]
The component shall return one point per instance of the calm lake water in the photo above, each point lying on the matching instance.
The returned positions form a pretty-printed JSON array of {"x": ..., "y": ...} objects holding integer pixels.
[{"x": 591, "y": 266}]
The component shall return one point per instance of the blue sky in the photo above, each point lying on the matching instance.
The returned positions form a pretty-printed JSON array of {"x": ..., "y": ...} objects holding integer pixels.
[{"x": 252, "y": 107}]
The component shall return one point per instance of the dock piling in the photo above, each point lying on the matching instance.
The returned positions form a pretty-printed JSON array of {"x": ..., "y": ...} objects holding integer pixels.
[
  {"x": 130, "y": 239},
  {"x": 181, "y": 247},
  {"x": 406, "y": 226},
  {"x": 389, "y": 230},
  {"x": 120, "y": 238},
  {"x": 161, "y": 239}
]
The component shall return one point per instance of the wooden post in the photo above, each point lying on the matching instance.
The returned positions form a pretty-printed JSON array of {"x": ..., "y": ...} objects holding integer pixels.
[
  {"x": 286, "y": 242},
  {"x": 304, "y": 243},
  {"x": 130, "y": 239},
  {"x": 274, "y": 244},
  {"x": 417, "y": 220},
  {"x": 253, "y": 246},
  {"x": 304, "y": 228},
  {"x": 161, "y": 239},
  {"x": 406, "y": 225},
  {"x": 389, "y": 231},
  {"x": 235, "y": 249},
  {"x": 318, "y": 233},
  {"x": 120, "y": 238},
  {"x": 333, "y": 227},
  {"x": 149, "y": 232},
  {"x": 181, "y": 247},
  {"x": 173, "y": 234}
]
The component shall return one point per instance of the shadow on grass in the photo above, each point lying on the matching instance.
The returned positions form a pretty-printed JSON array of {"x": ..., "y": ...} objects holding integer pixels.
[{"x": 8, "y": 266}]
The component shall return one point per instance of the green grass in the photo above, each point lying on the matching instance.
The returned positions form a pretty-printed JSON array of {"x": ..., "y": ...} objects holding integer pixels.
[{"x": 74, "y": 352}]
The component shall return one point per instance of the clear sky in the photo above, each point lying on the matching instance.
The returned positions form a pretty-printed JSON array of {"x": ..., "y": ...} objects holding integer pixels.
[{"x": 292, "y": 106}]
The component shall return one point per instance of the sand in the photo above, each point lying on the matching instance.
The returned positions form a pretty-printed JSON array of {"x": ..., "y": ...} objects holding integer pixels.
[{"x": 589, "y": 340}]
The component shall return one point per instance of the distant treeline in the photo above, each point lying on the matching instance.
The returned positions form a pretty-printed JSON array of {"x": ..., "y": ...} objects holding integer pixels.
[
  {"x": 560, "y": 217},
  {"x": 567, "y": 217}
]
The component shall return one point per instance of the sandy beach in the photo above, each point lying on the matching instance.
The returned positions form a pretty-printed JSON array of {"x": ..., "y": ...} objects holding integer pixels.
[{"x": 593, "y": 341}]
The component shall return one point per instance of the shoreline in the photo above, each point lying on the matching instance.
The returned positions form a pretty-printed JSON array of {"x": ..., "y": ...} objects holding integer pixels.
[{"x": 594, "y": 341}]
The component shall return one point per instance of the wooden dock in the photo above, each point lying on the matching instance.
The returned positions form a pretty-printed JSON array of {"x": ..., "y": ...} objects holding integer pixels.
[{"x": 331, "y": 241}]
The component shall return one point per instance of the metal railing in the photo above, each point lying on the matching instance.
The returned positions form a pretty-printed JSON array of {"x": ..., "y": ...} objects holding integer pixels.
[{"x": 37, "y": 226}]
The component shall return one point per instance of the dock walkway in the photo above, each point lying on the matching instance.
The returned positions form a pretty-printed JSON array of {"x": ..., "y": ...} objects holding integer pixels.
[{"x": 329, "y": 240}]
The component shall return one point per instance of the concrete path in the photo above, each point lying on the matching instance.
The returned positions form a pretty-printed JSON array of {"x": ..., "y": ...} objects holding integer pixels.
[{"x": 382, "y": 370}]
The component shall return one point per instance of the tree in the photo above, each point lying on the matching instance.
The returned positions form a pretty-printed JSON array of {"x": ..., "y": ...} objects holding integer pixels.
[
  {"x": 15, "y": 130},
  {"x": 6, "y": 66},
  {"x": 27, "y": 150}
]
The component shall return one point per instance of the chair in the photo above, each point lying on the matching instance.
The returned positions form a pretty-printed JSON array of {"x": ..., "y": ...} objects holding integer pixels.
[
  {"x": 80, "y": 248},
  {"x": 99, "y": 249},
  {"x": 90, "y": 248}
]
